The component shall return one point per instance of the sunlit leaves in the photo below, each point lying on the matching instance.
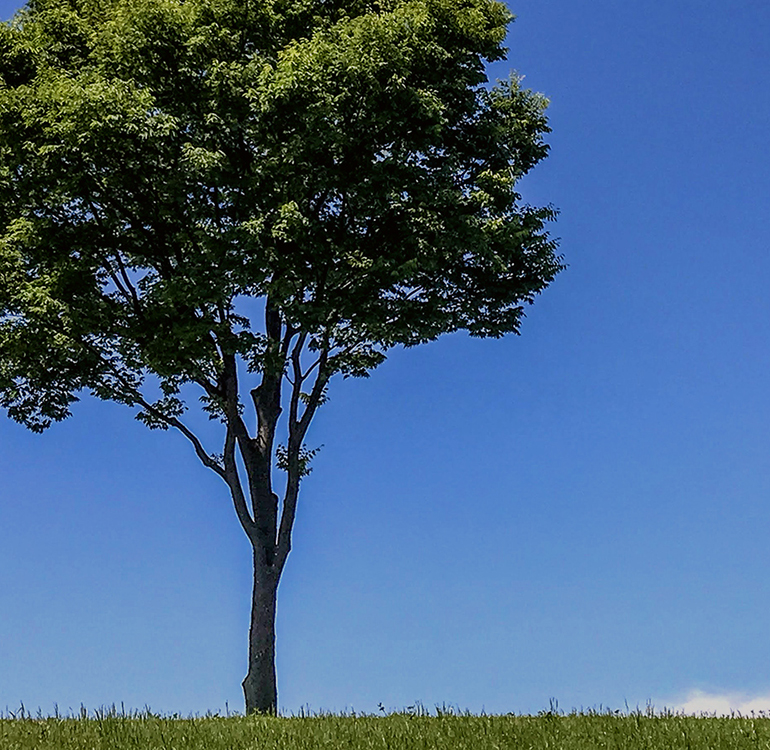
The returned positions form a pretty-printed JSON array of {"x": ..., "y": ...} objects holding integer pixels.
[{"x": 164, "y": 163}]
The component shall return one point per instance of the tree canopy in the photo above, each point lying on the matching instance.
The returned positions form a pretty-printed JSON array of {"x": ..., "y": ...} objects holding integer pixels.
[{"x": 342, "y": 161}]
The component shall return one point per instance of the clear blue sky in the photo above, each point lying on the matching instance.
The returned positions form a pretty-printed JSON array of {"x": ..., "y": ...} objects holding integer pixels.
[{"x": 582, "y": 512}]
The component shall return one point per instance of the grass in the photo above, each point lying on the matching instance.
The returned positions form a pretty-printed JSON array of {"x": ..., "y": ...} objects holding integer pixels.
[{"x": 415, "y": 730}]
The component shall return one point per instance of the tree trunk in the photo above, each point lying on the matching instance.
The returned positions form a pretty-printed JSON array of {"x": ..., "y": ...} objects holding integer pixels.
[{"x": 259, "y": 686}]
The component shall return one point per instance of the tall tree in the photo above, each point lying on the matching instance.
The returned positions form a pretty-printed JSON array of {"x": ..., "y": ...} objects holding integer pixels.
[{"x": 169, "y": 167}]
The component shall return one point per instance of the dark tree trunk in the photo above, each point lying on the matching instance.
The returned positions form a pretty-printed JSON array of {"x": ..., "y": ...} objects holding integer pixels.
[{"x": 259, "y": 686}]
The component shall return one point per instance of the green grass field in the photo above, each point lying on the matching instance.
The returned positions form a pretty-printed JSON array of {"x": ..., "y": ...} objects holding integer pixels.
[{"x": 105, "y": 730}]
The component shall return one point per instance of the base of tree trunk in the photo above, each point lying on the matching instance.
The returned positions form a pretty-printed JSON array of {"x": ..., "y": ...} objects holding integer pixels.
[
  {"x": 260, "y": 695},
  {"x": 259, "y": 686}
]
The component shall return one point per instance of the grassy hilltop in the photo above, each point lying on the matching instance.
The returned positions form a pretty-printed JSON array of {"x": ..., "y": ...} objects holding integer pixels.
[{"x": 108, "y": 730}]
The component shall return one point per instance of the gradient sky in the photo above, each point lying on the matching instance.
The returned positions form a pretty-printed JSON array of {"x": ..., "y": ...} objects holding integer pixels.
[{"x": 579, "y": 513}]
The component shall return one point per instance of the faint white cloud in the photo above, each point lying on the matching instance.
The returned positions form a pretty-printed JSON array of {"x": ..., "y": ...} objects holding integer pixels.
[{"x": 721, "y": 704}]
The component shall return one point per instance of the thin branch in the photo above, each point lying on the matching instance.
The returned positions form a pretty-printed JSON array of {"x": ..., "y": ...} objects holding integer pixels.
[
  {"x": 236, "y": 489},
  {"x": 288, "y": 336},
  {"x": 124, "y": 211},
  {"x": 134, "y": 296},
  {"x": 314, "y": 400},
  {"x": 217, "y": 212},
  {"x": 297, "y": 430},
  {"x": 118, "y": 283},
  {"x": 211, "y": 389},
  {"x": 230, "y": 471},
  {"x": 205, "y": 457},
  {"x": 128, "y": 291},
  {"x": 310, "y": 369},
  {"x": 136, "y": 397},
  {"x": 296, "y": 383}
]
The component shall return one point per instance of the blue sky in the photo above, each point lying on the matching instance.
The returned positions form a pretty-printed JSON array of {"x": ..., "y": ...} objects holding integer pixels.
[{"x": 579, "y": 513}]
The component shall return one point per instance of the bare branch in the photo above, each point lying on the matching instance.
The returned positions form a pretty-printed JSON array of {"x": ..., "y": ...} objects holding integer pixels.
[
  {"x": 310, "y": 369},
  {"x": 236, "y": 489}
]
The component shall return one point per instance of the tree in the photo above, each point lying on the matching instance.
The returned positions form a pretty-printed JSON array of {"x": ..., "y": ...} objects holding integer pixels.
[{"x": 248, "y": 197}]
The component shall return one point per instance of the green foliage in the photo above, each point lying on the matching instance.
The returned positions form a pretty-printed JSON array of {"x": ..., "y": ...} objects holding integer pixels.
[
  {"x": 400, "y": 731},
  {"x": 164, "y": 162},
  {"x": 304, "y": 457}
]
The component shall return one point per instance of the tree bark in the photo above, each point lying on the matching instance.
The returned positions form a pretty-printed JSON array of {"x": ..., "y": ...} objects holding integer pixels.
[{"x": 259, "y": 686}]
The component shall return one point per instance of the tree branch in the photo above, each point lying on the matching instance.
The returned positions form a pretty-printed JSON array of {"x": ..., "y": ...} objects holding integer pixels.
[
  {"x": 230, "y": 471},
  {"x": 288, "y": 513},
  {"x": 288, "y": 336},
  {"x": 233, "y": 480},
  {"x": 128, "y": 291},
  {"x": 267, "y": 395},
  {"x": 297, "y": 429},
  {"x": 200, "y": 451},
  {"x": 299, "y": 379},
  {"x": 229, "y": 389},
  {"x": 314, "y": 400},
  {"x": 134, "y": 296}
]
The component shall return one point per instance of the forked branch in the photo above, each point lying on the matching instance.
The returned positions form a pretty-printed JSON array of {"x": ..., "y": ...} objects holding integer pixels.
[{"x": 298, "y": 426}]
